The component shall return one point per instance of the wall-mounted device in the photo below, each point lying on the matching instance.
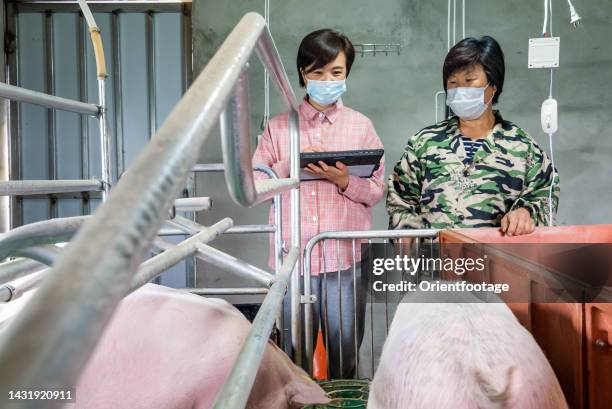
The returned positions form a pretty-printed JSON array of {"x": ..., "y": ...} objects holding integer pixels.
[{"x": 544, "y": 52}]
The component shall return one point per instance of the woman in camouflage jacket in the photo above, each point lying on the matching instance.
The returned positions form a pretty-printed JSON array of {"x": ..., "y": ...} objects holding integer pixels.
[{"x": 474, "y": 169}]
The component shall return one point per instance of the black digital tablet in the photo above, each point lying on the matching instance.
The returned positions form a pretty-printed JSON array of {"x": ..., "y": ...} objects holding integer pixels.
[{"x": 361, "y": 163}]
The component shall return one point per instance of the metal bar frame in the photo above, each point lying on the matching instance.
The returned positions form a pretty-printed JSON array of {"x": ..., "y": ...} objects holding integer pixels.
[
  {"x": 228, "y": 291},
  {"x": 39, "y": 233},
  {"x": 14, "y": 269},
  {"x": 95, "y": 271},
  {"x": 234, "y": 265},
  {"x": 236, "y": 388},
  {"x": 190, "y": 228},
  {"x": 84, "y": 120},
  {"x": 51, "y": 113},
  {"x": 54, "y": 103},
  {"x": 5, "y": 143},
  {"x": 15, "y": 93},
  {"x": 341, "y": 235},
  {"x": 127, "y": 6},
  {"x": 44, "y": 187},
  {"x": 12, "y": 30},
  {"x": 193, "y": 204},
  {"x": 174, "y": 254}
]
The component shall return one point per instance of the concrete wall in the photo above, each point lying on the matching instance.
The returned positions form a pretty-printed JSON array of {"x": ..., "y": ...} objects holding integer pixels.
[{"x": 397, "y": 92}]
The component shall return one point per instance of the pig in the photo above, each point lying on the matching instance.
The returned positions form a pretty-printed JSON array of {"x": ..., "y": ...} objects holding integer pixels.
[
  {"x": 453, "y": 351},
  {"x": 168, "y": 349}
]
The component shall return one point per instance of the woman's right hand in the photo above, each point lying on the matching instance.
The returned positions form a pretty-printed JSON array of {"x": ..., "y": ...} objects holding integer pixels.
[{"x": 313, "y": 149}]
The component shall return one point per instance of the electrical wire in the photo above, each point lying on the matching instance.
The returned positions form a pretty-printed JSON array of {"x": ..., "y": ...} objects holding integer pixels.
[
  {"x": 454, "y": 22},
  {"x": 545, "y": 18},
  {"x": 550, "y": 12},
  {"x": 448, "y": 25},
  {"x": 463, "y": 17}
]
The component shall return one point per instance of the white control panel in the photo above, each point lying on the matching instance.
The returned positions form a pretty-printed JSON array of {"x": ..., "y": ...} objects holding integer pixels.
[{"x": 544, "y": 52}]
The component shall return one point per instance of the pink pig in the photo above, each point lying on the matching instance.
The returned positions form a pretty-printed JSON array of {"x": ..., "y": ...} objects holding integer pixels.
[
  {"x": 463, "y": 354},
  {"x": 168, "y": 349}
]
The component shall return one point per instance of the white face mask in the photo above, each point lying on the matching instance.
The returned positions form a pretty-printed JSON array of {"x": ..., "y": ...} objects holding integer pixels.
[{"x": 467, "y": 102}]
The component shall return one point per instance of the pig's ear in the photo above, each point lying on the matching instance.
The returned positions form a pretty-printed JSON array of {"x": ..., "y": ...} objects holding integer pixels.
[{"x": 303, "y": 391}]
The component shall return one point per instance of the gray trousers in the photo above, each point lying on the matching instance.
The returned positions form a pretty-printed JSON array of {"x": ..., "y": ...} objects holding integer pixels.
[{"x": 340, "y": 312}]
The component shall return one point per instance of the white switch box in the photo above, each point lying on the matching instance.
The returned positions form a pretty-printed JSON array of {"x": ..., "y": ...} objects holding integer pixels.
[
  {"x": 544, "y": 52},
  {"x": 550, "y": 122}
]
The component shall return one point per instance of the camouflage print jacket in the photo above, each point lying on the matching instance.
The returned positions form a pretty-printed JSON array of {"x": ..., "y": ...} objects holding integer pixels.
[{"x": 435, "y": 185}]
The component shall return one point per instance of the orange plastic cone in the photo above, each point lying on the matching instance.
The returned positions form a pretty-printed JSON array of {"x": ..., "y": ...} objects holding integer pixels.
[{"x": 319, "y": 360}]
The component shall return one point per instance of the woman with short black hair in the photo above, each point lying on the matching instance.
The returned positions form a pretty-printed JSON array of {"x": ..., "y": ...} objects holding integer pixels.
[
  {"x": 337, "y": 201},
  {"x": 474, "y": 169}
]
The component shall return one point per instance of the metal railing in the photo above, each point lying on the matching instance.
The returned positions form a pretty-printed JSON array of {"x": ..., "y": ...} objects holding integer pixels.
[
  {"x": 308, "y": 299},
  {"x": 50, "y": 341},
  {"x": 18, "y": 94}
]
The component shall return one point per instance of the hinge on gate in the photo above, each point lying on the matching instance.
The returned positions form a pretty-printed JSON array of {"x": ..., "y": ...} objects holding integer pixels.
[{"x": 311, "y": 299}]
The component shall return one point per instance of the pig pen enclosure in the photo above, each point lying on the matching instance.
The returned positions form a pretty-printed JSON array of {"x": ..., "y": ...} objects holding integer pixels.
[
  {"x": 79, "y": 286},
  {"x": 59, "y": 299}
]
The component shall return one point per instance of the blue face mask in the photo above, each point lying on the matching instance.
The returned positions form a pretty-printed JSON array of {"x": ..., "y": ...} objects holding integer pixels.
[
  {"x": 325, "y": 92},
  {"x": 467, "y": 102}
]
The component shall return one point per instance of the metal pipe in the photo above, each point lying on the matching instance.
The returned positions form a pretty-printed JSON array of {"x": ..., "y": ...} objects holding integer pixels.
[
  {"x": 169, "y": 231},
  {"x": 46, "y": 254},
  {"x": 35, "y": 234},
  {"x": 268, "y": 188},
  {"x": 42, "y": 254},
  {"x": 40, "y": 347},
  {"x": 208, "y": 167},
  {"x": 12, "y": 270},
  {"x": 182, "y": 225},
  {"x": 175, "y": 254},
  {"x": 48, "y": 101},
  {"x": 236, "y": 142},
  {"x": 277, "y": 204},
  {"x": 278, "y": 218},
  {"x": 228, "y": 291},
  {"x": 5, "y": 135},
  {"x": 84, "y": 121},
  {"x": 253, "y": 228},
  {"x": 7, "y": 293},
  {"x": 193, "y": 204},
  {"x": 235, "y": 132},
  {"x": 235, "y": 124},
  {"x": 294, "y": 149},
  {"x": 234, "y": 394},
  {"x": 117, "y": 92},
  {"x": 51, "y": 117},
  {"x": 372, "y": 234},
  {"x": 15, "y": 111},
  {"x": 105, "y": 142},
  {"x": 233, "y": 265},
  {"x": 11, "y": 292},
  {"x": 268, "y": 54},
  {"x": 42, "y": 187},
  {"x": 87, "y": 13}
]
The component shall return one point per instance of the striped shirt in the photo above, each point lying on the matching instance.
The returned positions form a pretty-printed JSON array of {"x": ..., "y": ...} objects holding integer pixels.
[
  {"x": 323, "y": 206},
  {"x": 471, "y": 146}
]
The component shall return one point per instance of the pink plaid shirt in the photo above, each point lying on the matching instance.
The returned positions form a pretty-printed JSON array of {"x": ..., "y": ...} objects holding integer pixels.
[{"x": 324, "y": 207}]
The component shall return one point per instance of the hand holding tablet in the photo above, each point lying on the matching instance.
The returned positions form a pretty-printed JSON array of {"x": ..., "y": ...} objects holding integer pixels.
[{"x": 361, "y": 163}]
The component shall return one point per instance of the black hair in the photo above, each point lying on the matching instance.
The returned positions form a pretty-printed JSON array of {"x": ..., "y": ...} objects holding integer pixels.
[
  {"x": 321, "y": 47},
  {"x": 472, "y": 51}
]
